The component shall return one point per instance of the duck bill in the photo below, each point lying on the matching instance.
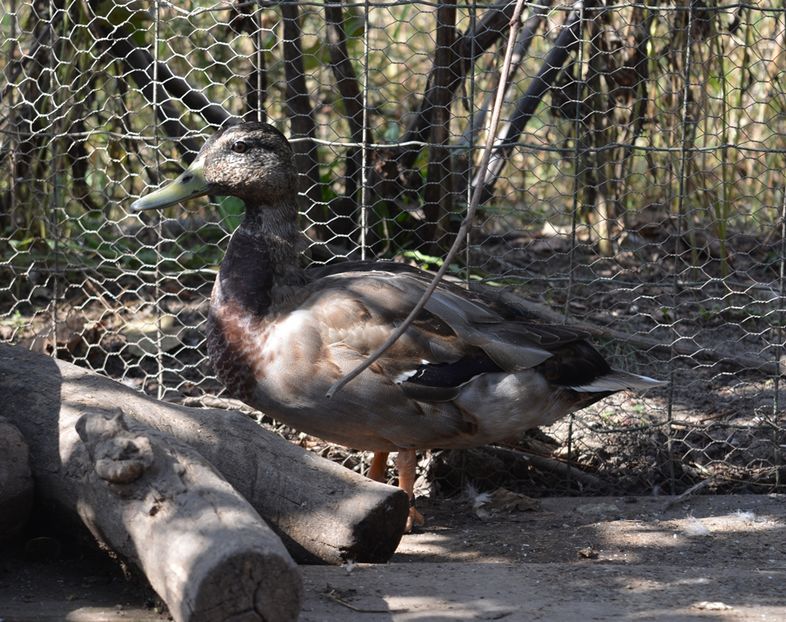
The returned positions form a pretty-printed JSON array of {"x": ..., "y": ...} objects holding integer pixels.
[{"x": 190, "y": 184}]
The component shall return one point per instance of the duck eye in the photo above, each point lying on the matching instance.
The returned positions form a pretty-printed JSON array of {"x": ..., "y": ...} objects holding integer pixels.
[{"x": 239, "y": 146}]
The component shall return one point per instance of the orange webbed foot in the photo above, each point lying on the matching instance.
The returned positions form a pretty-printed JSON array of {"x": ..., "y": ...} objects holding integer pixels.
[{"x": 415, "y": 518}]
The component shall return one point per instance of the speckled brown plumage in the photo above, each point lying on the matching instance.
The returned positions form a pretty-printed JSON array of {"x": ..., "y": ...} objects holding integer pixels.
[{"x": 465, "y": 373}]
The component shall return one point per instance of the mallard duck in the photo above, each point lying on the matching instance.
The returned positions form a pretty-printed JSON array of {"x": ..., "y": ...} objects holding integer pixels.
[{"x": 279, "y": 336}]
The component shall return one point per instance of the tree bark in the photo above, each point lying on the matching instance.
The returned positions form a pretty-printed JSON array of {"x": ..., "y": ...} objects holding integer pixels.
[
  {"x": 468, "y": 47},
  {"x": 352, "y": 98},
  {"x": 16, "y": 481},
  {"x": 322, "y": 511},
  {"x": 438, "y": 193}
]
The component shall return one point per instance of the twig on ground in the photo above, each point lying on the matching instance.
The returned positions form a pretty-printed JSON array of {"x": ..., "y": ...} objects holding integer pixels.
[
  {"x": 693, "y": 490},
  {"x": 332, "y": 595},
  {"x": 553, "y": 465},
  {"x": 222, "y": 403}
]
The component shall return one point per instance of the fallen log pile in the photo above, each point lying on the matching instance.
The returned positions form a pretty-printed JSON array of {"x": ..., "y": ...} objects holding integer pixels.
[{"x": 181, "y": 493}]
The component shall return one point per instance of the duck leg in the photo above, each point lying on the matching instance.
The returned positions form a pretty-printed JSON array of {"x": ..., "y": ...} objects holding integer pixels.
[
  {"x": 406, "y": 461},
  {"x": 378, "y": 467}
]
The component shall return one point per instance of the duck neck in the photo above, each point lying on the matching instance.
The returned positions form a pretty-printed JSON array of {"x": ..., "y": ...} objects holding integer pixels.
[{"x": 260, "y": 258}]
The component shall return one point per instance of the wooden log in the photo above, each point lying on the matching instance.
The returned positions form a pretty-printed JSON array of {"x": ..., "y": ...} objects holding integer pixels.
[
  {"x": 153, "y": 500},
  {"x": 16, "y": 481},
  {"x": 322, "y": 511},
  {"x": 158, "y": 503}
]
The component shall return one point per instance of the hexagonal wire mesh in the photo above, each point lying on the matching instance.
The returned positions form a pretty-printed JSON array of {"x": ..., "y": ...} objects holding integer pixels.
[{"x": 636, "y": 191}]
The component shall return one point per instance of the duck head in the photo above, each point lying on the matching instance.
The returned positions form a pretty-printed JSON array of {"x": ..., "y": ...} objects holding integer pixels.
[{"x": 252, "y": 161}]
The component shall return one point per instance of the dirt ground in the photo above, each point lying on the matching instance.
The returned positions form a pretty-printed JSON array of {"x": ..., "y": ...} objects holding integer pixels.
[{"x": 604, "y": 558}]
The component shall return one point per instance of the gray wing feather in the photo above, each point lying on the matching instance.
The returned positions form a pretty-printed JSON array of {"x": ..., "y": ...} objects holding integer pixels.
[{"x": 509, "y": 344}]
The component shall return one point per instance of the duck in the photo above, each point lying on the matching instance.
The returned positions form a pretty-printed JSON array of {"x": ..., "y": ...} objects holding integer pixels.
[{"x": 279, "y": 335}]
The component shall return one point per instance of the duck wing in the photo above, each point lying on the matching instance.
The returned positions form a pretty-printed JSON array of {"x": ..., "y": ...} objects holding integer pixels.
[{"x": 454, "y": 339}]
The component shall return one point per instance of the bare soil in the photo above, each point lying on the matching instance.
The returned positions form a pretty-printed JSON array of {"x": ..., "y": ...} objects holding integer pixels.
[{"x": 720, "y": 558}]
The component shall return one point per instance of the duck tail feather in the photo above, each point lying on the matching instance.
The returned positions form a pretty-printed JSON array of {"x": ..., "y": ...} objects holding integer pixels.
[{"x": 617, "y": 380}]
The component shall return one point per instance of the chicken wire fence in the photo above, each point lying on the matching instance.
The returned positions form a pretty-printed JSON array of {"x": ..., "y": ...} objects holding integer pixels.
[{"x": 636, "y": 190}]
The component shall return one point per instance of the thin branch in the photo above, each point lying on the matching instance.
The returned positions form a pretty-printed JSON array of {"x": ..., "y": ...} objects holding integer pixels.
[
  {"x": 553, "y": 465},
  {"x": 525, "y": 108},
  {"x": 18, "y": 66},
  {"x": 468, "y": 47},
  {"x": 465, "y": 225},
  {"x": 521, "y": 47},
  {"x": 333, "y": 595},
  {"x": 141, "y": 69},
  {"x": 135, "y": 63},
  {"x": 693, "y": 490},
  {"x": 681, "y": 347},
  {"x": 178, "y": 87},
  {"x": 194, "y": 100}
]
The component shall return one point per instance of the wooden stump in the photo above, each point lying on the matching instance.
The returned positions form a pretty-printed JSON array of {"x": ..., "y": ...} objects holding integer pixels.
[{"x": 150, "y": 498}]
